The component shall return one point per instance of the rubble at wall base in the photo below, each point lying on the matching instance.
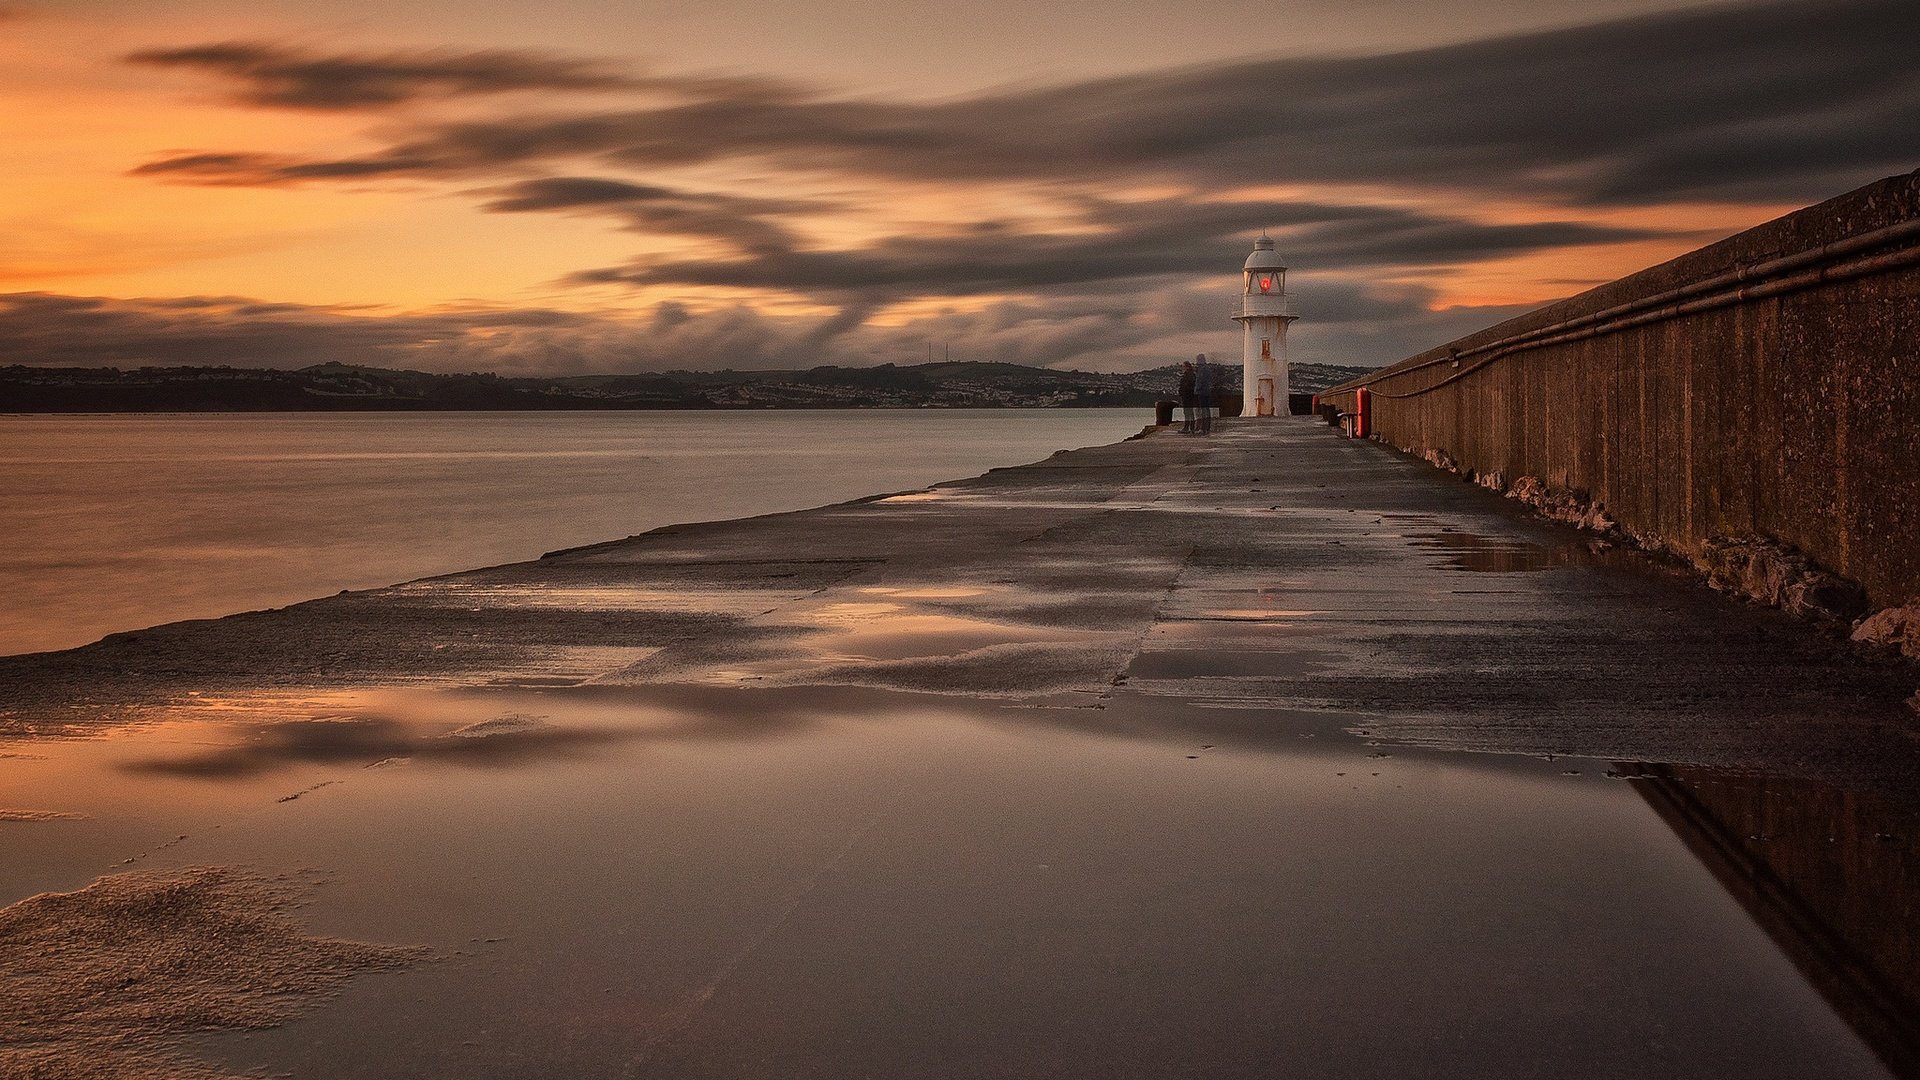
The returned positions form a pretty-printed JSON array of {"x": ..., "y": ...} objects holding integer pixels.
[
  {"x": 1762, "y": 570},
  {"x": 1894, "y": 627}
]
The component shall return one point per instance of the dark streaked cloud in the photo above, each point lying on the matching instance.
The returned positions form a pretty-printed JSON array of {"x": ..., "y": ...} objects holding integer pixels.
[
  {"x": 278, "y": 76},
  {"x": 1755, "y": 100},
  {"x": 44, "y": 329},
  {"x": 1347, "y": 320},
  {"x": 1117, "y": 327},
  {"x": 1356, "y": 321},
  {"x": 1127, "y": 240},
  {"x": 1109, "y": 241},
  {"x": 575, "y": 192},
  {"x": 56, "y": 330},
  {"x": 747, "y": 223},
  {"x": 242, "y": 169}
]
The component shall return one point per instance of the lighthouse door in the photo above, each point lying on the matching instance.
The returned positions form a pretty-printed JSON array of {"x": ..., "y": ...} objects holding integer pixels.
[{"x": 1263, "y": 404}]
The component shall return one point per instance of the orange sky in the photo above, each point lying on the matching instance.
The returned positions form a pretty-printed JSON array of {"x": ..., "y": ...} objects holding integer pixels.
[{"x": 79, "y": 119}]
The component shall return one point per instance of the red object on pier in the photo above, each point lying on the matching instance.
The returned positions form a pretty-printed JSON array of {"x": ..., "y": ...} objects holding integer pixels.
[{"x": 1362, "y": 413}]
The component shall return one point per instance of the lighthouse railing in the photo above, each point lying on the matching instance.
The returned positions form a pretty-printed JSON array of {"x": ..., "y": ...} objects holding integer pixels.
[{"x": 1265, "y": 307}]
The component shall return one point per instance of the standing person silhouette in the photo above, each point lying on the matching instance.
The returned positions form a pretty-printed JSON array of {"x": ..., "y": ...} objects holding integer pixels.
[
  {"x": 1186, "y": 397},
  {"x": 1203, "y": 390}
]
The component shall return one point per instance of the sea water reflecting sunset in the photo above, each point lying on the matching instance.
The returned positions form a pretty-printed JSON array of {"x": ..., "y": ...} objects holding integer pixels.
[{"x": 112, "y": 523}]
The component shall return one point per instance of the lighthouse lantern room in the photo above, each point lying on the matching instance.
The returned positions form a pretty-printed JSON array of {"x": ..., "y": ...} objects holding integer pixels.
[{"x": 1264, "y": 314}]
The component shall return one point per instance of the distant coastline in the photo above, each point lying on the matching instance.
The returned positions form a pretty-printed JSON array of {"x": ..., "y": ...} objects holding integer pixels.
[{"x": 351, "y": 388}]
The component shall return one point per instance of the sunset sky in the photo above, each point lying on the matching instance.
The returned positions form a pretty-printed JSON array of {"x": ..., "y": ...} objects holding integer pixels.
[{"x": 585, "y": 185}]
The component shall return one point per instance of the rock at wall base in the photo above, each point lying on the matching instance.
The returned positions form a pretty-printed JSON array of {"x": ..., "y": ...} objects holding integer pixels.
[
  {"x": 1572, "y": 507},
  {"x": 1775, "y": 574},
  {"x": 1896, "y": 627},
  {"x": 1757, "y": 569},
  {"x": 1439, "y": 459}
]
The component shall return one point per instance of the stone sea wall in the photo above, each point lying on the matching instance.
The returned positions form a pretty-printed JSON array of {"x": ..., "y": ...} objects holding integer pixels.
[{"x": 1753, "y": 406}]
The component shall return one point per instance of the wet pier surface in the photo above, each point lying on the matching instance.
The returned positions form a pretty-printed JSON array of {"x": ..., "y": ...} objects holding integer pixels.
[{"x": 1265, "y": 754}]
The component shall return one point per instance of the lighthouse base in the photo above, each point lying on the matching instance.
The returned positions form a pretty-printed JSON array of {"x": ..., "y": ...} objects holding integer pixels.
[{"x": 1263, "y": 367}]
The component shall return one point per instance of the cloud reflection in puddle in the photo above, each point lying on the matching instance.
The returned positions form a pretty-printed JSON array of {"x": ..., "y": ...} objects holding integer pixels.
[{"x": 331, "y": 740}]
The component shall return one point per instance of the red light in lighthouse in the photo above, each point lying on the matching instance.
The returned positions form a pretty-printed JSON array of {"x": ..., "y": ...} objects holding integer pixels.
[{"x": 1266, "y": 282}]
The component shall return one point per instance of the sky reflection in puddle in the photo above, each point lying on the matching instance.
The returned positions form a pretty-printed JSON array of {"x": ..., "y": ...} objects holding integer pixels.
[
  {"x": 925, "y": 593},
  {"x": 1471, "y": 552},
  {"x": 705, "y": 882}
]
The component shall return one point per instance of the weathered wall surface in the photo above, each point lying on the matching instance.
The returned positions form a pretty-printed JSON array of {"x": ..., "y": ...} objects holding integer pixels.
[{"x": 1766, "y": 387}]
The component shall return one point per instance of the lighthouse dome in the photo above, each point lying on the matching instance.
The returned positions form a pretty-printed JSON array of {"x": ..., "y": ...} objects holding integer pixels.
[{"x": 1264, "y": 257}]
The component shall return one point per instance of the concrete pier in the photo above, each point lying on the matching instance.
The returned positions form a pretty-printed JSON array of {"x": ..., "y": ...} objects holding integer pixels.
[
  {"x": 1266, "y": 753},
  {"x": 1274, "y": 565}
]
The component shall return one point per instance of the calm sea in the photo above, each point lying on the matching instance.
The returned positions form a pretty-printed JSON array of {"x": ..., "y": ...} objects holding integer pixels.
[{"x": 113, "y": 523}]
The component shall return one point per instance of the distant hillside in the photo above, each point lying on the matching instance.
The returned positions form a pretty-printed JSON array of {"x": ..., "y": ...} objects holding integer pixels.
[{"x": 343, "y": 387}]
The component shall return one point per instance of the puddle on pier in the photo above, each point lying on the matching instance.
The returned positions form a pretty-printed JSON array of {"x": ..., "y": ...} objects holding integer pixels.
[
  {"x": 721, "y": 882},
  {"x": 1495, "y": 555},
  {"x": 984, "y": 638},
  {"x": 1477, "y": 553},
  {"x": 1472, "y": 552}
]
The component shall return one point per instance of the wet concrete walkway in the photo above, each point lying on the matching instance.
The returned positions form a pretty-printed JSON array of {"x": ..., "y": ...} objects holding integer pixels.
[
  {"x": 1270, "y": 565},
  {"x": 1145, "y": 760}
]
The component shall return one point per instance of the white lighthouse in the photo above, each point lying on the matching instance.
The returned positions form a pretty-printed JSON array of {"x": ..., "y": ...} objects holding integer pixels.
[{"x": 1263, "y": 316}]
